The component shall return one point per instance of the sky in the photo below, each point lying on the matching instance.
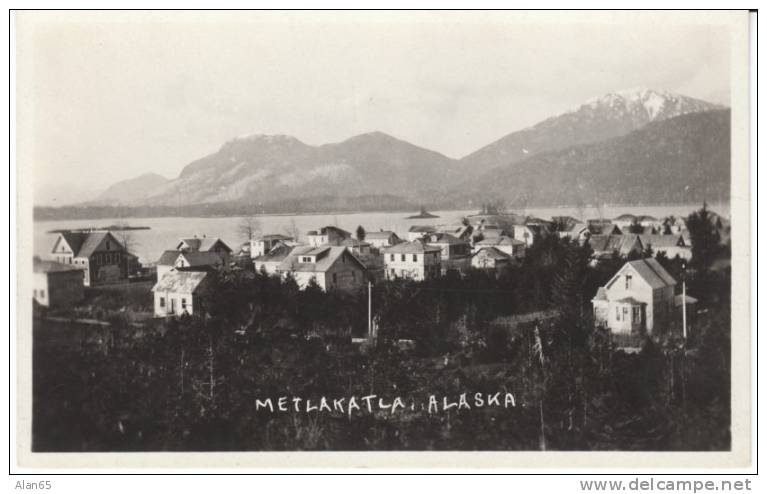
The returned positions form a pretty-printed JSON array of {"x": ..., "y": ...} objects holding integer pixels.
[{"x": 111, "y": 96}]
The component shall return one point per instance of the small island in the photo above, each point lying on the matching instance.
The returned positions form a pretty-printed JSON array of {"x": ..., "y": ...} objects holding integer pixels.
[{"x": 423, "y": 214}]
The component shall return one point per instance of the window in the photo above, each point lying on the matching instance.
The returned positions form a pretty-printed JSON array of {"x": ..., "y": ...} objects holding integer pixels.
[
  {"x": 162, "y": 301},
  {"x": 617, "y": 314},
  {"x": 393, "y": 272},
  {"x": 354, "y": 275},
  {"x": 42, "y": 293},
  {"x": 415, "y": 257},
  {"x": 109, "y": 245},
  {"x": 335, "y": 278},
  {"x": 625, "y": 313},
  {"x": 306, "y": 259},
  {"x": 391, "y": 257},
  {"x": 637, "y": 316},
  {"x": 628, "y": 282},
  {"x": 402, "y": 258},
  {"x": 183, "y": 304}
]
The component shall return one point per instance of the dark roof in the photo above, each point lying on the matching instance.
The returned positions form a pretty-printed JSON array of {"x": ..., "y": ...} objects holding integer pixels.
[
  {"x": 663, "y": 240},
  {"x": 168, "y": 258},
  {"x": 202, "y": 258},
  {"x": 75, "y": 240},
  {"x": 382, "y": 235},
  {"x": 326, "y": 258},
  {"x": 493, "y": 253},
  {"x": 499, "y": 240},
  {"x": 278, "y": 253},
  {"x": 353, "y": 242},
  {"x": 83, "y": 244},
  {"x": 610, "y": 243},
  {"x": 646, "y": 217},
  {"x": 203, "y": 244},
  {"x": 325, "y": 229},
  {"x": 653, "y": 273},
  {"x": 414, "y": 247},
  {"x": 41, "y": 266},
  {"x": 444, "y": 238}
]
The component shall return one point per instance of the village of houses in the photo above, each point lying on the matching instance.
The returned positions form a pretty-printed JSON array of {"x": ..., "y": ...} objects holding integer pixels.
[{"x": 641, "y": 294}]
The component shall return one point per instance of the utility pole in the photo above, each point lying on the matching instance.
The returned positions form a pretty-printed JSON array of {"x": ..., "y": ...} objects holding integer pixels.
[
  {"x": 370, "y": 310},
  {"x": 684, "y": 301}
]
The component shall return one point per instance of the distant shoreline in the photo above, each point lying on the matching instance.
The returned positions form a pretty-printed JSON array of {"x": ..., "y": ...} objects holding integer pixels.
[{"x": 517, "y": 210}]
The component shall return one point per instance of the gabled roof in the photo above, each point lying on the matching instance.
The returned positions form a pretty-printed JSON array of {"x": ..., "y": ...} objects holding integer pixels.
[
  {"x": 444, "y": 238},
  {"x": 203, "y": 244},
  {"x": 414, "y": 247},
  {"x": 629, "y": 300},
  {"x": 493, "y": 253},
  {"x": 576, "y": 227},
  {"x": 382, "y": 235},
  {"x": 326, "y": 258},
  {"x": 663, "y": 241},
  {"x": 650, "y": 270},
  {"x": 73, "y": 239},
  {"x": 500, "y": 240},
  {"x": 202, "y": 258},
  {"x": 180, "y": 282},
  {"x": 42, "y": 266},
  {"x": 646, "y": 217},
  {"x": 278, "y": 253},
  {"x": 610, "y": 243},
  {"x": 168, "y": 258},
  {"x": 325, "y": 229}
]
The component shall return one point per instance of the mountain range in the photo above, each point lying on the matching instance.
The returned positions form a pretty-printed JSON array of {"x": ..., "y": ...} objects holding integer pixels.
[{"x": 637, "y": 146}]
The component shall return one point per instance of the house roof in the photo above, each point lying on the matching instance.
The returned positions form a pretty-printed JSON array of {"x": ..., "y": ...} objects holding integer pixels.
[
  {"x": 651, "y": 271},
  {"x": 422, "y": 229},
  {"x": 444, "y": 238},
  {"x": 43, "y": 266},
  {"x": 382, "y": 235},
  {"x": 610, "y": 243},
  {"x": 576, "y": 227},
  {"x": 690, "y": 300},
  {"x": 180, "y": 282},
  {"x": 646, "y": 217},
  {"x": 326, "y": 258},
  {"x": 278, "y": 253},
  {"x": 203, "y": 244},
  {"x": 456, "y": 230},
  {"x": 629, "y": 300},
  {"x": 500, "y": 240},
  {"x": 83, "y": 244},
  {"x": 414, "y": 247},
  {"x": 92, "y": 242},
  {"x": 168, "y": 258},
  {"x": 325, "y": 229},
  {"x": 74, "y": 239},
  {"x": 663, "y": 241},
  {"x": 202, "y": 258},
  {"x": 493, "y": 253},
  {"x": 601, "y": 294}
]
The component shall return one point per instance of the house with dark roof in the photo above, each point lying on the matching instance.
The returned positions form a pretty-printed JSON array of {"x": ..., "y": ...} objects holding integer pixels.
[
  {"x": 55, "y": 284},
  {"x": 263, "y": 244},
  {"x": 415, "y": 260},
  {"x": 511, "y": 246},
  {"x": 176, "y": 260},
  {"x": 357, "y": 247},
  {"x": 99, "y": 254},
  {"x": 382, "y": 239},
  {"x": 327, "y": 235},
  {"x": 417, "y": 232},
  {"x": 460, "y": 231},
  {"x": 608, "y": 246},
  {"x": 491, "y": 259},
  {"x": 331, "y": 267},
  {"x": 603, "y": 227},
  {"x": 452, "y": 247},
  {"x": 206, "y": 244},
  {"x": 271, "y": 260},
  {"x": 638, "y": 299},
  {"x": 670, "y": 245},
  {"x": 577, "y": 231},
  {"x": 180, "y": 292}
]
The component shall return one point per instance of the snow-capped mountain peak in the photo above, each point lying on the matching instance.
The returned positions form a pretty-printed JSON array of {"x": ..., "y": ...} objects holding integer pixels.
[{"x": 649, "y": 104}]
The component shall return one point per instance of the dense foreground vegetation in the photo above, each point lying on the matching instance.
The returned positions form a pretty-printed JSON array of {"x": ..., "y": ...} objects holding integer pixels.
[{"x": 200, "y": 383}]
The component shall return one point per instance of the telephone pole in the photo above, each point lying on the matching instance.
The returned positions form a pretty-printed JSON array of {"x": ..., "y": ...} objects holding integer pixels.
[
  {"x": 684, "y": 301},
  {"x": 370, "y": 310}
]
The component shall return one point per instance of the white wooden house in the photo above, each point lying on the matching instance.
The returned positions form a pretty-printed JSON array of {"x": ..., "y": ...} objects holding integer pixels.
[
  {"x": 180, "y": 292},
  {"x": 638, "y": 298},
  {"x": 414, "y": 260}
]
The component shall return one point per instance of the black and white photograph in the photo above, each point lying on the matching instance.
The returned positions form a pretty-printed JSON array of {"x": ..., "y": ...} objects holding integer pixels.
[{"x": 399, "y": 232}]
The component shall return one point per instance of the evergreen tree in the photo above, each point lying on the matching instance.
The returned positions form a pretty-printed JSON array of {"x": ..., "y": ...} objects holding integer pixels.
[{"x": 704, "y": 237}]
